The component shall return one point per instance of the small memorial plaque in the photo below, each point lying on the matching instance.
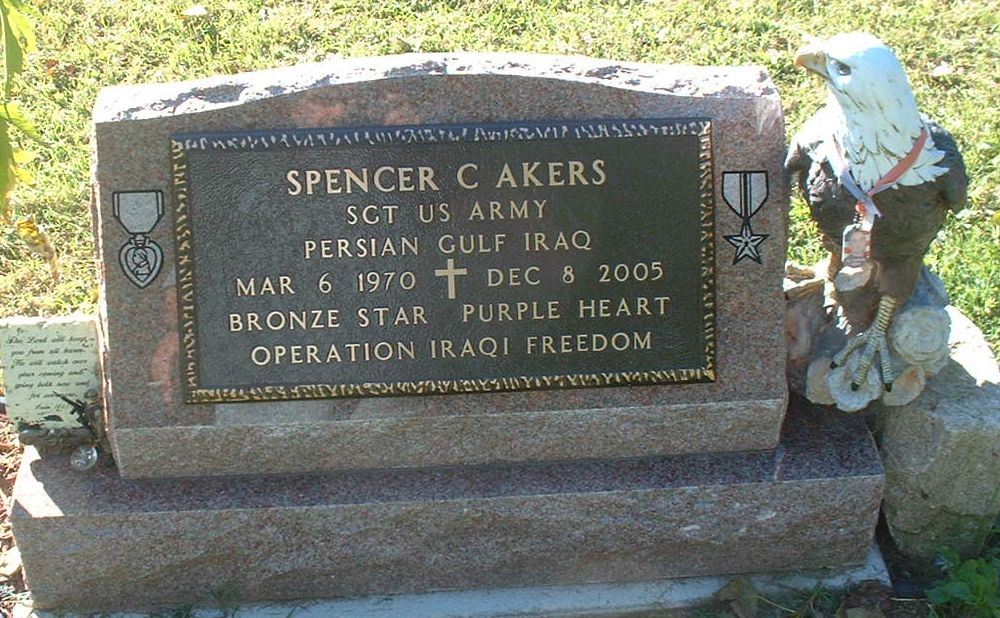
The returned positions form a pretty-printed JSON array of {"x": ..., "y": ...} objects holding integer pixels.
[
  {"x": 44, "y": 360},
  {"x": 444, "y": 259}
]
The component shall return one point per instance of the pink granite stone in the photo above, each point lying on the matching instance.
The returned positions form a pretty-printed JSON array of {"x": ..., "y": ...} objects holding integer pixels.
[
  {"x": 97, "y": 542},
  {"x": 156, "y": 434}
]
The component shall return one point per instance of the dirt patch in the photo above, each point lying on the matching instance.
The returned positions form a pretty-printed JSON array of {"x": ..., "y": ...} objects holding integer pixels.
[{"x": 12, "y": 588}]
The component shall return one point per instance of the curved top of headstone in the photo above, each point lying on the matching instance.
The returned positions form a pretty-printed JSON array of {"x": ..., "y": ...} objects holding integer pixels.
[{"x": 140, "y": 102}]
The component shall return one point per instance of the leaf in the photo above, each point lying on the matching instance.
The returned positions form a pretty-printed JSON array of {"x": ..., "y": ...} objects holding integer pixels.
[
  {"x": 870, "y": 595},
  {"x": 18, "y": 39},
  {"x": 25, "y": 8},
  {"x": 13, "y": 53},
  {"x": 60, "y": 70},
  {"x": 937, "y": 596},
  {"x": 947, "y": 560},
  {"x": 741, "y": 596},
  {"x": 16, "y": 116},
  {"x": 7, "y": 178},
  {"x": 860, "y": 612},
  {"x": 952, "y": 590},
  {"x": 24, "y": 156},
  {"x": 23, "y": 176},
  {"x": 37, "y": 241},
  {"x": 959, "y": 590},
  {"x": 23, "y": 29}
]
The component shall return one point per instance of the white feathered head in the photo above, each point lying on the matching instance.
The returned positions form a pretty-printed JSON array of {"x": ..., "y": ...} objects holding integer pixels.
[{"x": 871, "y": 110}]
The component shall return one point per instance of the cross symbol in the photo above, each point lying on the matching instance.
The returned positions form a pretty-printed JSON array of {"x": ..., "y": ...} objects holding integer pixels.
[{"x": 451, "y": 272}]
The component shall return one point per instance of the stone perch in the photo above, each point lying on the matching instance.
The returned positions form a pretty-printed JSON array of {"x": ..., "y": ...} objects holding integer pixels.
[{"x": 942, "y": 452}]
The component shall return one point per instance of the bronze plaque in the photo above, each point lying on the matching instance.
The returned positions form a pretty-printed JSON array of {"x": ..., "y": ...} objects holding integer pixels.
[{"x": 444, "y": 258}]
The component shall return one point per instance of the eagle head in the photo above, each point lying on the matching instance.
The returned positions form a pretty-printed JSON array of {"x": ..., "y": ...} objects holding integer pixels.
[{"x": 872, "y": 111}]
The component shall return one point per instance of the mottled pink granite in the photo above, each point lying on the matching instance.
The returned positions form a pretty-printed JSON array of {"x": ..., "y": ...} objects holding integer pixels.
[
  {"x": 96, "y": 542},
  {"x": 155, "y": 434}
]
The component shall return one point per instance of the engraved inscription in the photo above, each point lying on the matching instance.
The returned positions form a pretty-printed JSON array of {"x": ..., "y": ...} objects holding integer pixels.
[
  {"x": 444, "y": 259},
  {"x": 43, "y": 359}
]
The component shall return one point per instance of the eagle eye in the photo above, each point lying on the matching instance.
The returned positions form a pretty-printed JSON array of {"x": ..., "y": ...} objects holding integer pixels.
[{"x": 842, "y": 69}]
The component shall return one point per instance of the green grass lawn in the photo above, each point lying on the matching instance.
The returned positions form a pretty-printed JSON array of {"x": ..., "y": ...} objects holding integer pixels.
[{"x": 951, "y": 49}]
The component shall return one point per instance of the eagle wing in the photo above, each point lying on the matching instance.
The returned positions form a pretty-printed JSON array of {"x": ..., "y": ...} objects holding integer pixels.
[
  {"x": 830, "y": 204},
  {"x": 912, "y": 215},
  {"x": 954, "y": 185}
]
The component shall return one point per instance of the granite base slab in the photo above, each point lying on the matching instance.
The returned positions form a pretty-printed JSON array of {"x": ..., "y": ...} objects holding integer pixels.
[
  {"x": 97, "y": 542},
  {"x": 666, "y": 598}
]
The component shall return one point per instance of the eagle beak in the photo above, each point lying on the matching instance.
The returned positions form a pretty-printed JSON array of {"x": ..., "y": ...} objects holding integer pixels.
[{"x": 812, "y": 58}]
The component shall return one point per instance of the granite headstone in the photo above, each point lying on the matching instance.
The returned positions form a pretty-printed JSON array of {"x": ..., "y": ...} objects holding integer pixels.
[{"x": 585, "y": 256}]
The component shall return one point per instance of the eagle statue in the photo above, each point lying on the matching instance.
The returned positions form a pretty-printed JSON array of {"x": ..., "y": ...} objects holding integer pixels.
[{"x": 879, "y": 179}]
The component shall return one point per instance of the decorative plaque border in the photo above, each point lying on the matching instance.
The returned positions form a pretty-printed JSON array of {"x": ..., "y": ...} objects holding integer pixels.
[{"x": 181, "y": 144}]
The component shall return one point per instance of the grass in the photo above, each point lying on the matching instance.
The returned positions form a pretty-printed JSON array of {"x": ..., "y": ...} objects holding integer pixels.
[{"x": 86, "y": 45}]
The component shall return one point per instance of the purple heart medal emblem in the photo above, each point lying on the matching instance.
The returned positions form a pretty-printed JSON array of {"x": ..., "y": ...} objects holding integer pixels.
[{"x": 139, "y": 212}]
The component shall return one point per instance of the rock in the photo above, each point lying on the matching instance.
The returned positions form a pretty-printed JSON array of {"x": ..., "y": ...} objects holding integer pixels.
[
  {"x": 840, "y": 381},
  {"x": 920, "y": 335},
  {"x": 817, "y": 387},
  {"x": 853, "y": 277},
  {"x": 906, "y": 386},
  {"x": 805, "y": 321},
  {"x": 10, "y": 564},
  {"x": 942, "y": 452}
]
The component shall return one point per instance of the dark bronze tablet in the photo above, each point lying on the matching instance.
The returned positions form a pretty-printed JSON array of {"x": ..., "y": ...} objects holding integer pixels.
[{"x": 444, "y": 259}]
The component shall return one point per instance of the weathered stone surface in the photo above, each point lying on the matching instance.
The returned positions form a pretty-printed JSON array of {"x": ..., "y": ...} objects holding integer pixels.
[
  {"x": 155, "y": 434},
  {"x": 685, "y": 597},
  {"x": 99, "y": 542},
  {"x": 942, "y": 452}
]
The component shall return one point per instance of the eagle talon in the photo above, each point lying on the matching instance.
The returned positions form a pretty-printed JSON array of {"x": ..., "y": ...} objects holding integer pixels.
[
  {"x": 872, "y": 339},
  {"x": 873, "y": 345}
]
